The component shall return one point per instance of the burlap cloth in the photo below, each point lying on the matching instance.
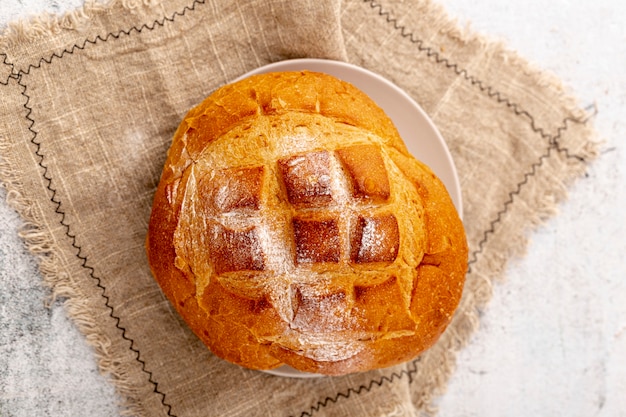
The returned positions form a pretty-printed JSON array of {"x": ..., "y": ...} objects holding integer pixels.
[{"x": 89, "y": 103}]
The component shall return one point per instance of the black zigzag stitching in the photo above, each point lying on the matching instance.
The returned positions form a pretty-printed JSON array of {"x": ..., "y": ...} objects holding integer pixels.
[
  {"x": 553, "y": 144},
  {"x": 553, "y": 140},
  {"x": 114, "y": 35},
  {"x": 48, "y": 177},
  {"x": 5, "y": 61},
  {"x": 408, "y": 372},
  {"x": 482, "y": 86},
  {"x": 79, "y": 250}
]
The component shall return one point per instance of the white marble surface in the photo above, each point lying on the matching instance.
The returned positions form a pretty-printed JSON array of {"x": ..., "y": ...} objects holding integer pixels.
[{"x": 553, "y": 339}]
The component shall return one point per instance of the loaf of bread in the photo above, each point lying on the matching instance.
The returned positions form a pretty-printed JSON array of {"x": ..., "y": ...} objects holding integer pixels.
[{"x": 292, "y": 226}]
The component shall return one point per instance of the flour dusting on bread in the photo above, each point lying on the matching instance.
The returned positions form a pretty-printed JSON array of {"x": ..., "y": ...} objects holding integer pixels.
[{"x": 291, "y": 227}]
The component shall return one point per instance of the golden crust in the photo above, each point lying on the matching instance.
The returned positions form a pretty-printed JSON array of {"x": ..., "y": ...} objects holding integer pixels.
[{"x": 292, "y": 226}]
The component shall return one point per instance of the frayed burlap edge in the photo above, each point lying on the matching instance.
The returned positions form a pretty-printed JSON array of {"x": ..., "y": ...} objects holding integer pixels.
[
  {"x": 476, "y": 296},
  {"x": 46, "y": 24}
]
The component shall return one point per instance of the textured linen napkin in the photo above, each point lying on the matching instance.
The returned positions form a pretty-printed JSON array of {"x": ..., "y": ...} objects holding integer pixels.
[{"x": 89, "y": 104}]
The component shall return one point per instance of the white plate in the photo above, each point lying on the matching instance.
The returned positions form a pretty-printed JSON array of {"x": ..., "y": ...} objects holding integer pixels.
[{"x": 415, "y": 127}]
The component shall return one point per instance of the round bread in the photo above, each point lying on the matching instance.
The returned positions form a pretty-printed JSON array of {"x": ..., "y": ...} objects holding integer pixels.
[{"x": 292, "y": 226}]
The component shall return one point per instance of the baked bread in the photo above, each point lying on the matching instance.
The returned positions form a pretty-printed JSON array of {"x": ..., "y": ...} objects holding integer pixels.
[{"x": 292, "y": 226}]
